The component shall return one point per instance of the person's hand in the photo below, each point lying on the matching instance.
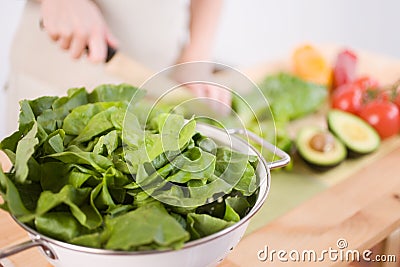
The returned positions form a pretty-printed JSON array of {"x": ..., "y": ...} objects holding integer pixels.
[
  {"x": 77, "y": 26},
  {"x": 220, "y": 99}
]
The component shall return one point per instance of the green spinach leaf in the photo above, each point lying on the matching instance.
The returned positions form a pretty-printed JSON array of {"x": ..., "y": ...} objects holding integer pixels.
[{"x": 153, "y": 225}]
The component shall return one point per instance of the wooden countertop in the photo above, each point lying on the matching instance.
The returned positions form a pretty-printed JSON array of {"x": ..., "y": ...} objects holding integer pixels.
[
  {"x": 358, "y": 201},
  {"x": 363, "y": 210}
]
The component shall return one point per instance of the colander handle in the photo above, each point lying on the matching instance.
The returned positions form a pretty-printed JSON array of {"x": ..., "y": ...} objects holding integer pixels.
[
  {"x": 6, "y": 252},
  {"x": 284, "y": 158}
]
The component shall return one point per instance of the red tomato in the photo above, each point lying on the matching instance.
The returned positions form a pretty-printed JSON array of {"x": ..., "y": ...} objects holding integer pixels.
[
  {"x": 371, "y": 89},
  {"x": 373, "y": 94},
  {"x": 366, "y": 82},
  {"x": 396, "y": 100},
  {"x": 384, "y": 116},
  {"x": 347, "y": 97}
]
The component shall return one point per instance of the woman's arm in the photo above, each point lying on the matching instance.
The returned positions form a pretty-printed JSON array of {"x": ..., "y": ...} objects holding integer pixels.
[
  {"x": 204, "y": 17},
  {"x": 203, "y": 26}
]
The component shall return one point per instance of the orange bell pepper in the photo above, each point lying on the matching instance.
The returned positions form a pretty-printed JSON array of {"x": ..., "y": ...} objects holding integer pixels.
[{"x": 310, "y": 65}]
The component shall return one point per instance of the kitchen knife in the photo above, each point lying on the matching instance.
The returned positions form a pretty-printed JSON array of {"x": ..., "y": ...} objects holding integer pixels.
[{"x": 158, "y": 85}]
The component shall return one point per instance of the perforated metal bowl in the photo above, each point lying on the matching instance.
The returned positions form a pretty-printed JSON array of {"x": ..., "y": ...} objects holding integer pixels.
[{"x": 207, "y": 251}]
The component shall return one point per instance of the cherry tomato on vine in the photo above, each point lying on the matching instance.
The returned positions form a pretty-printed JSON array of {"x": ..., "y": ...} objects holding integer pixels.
[
  {"x": 383, "y": 115},
  {"x": 396, "y": 99},
  {"x": 371, "y": 89},
  {"x": 366, "y": 82},
  {"x": 347, "y": 97}
]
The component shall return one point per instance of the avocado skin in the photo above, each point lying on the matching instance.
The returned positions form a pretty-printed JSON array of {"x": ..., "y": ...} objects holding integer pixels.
[
  {"x": 351, "y": 154},
  {"x": 317, "y": 167}
]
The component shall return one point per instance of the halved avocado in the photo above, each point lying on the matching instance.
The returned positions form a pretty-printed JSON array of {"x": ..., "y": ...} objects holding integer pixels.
[
  {"x": 319, "y": 148},
  {"x": 356, "y": 134}
]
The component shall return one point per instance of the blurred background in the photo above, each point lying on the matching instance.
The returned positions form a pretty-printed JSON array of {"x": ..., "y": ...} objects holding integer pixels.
[{"x": 260, "y": 30}]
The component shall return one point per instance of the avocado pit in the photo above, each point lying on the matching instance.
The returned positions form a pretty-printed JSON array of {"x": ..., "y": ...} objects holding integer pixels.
[{"x": 322, "y": 142}]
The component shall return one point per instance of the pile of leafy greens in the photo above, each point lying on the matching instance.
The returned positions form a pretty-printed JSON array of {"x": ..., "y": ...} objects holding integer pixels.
[
  {"x": 277, "y": 100},
  {"x": 93, "y": 170}
]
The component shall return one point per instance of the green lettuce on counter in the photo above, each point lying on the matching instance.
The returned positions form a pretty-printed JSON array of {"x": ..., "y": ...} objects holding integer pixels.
[{"x": 279, "y": 99}]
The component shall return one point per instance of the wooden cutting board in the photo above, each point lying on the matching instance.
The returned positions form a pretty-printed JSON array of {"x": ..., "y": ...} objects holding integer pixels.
[{"x": 302, "y": 183}]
